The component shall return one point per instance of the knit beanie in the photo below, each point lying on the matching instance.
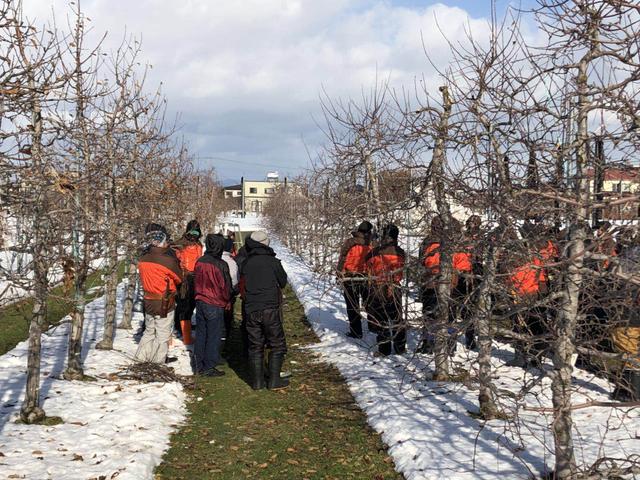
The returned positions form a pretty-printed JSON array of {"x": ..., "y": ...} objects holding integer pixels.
[
  {"x": 260, "y": 237},
  {"x": 391, "y": 231},
  {"x": 156, "y": 238}
]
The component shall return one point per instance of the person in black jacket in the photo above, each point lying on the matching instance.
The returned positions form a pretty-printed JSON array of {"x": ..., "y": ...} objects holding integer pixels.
[
  {"x": 263, "y": 279},
  {"x": 240, "y": 258}
]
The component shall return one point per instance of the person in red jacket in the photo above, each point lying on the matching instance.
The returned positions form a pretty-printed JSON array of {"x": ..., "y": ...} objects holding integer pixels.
[
  {"x": 385, "y": 265},
  {"x": 352, "y": 273},
  {"x": 160, "y": 275},
  {"x": 188, "y": 250},
  {"x": 213, "y": 294}
]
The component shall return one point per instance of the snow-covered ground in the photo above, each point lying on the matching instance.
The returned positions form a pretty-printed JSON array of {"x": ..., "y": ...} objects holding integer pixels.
[
  {"x": 120, "y": 429},
  {"x": 112, "y": 428},
  {"x": 428, "y": 426}
]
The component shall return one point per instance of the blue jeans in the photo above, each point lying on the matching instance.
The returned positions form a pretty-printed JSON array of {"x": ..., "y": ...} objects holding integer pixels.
[{"x": 210, "y": 321}]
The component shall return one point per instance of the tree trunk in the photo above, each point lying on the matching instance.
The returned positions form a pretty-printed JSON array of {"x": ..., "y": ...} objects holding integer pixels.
[
  {"x": 568, "y": 313},
  {"x": 130, "y": 291},
  {"x": 442, "y": 337},
  {"x": 486, "y": 400},
  {"x": 563, "y": 367},
  {"x": 31, "y": 412},
  {"x": 74, "y": 370},
  {"x": 111, "y": 299}
]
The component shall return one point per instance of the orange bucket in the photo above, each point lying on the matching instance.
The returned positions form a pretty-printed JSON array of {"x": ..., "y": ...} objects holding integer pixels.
[{"x": 186, "y": 332}]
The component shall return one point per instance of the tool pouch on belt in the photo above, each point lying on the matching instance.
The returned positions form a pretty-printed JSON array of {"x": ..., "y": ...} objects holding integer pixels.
[{"x": 168, "y": 301}]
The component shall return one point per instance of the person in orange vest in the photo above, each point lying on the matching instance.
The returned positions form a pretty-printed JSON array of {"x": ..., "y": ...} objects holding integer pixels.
[
  {"x": 429, "y": 258},
  {"x": 384, "y": 266},
  {"x": 467, "y": 264},
  {"x": 188, "y": 250},
  {"x": 352, "y": 273},
  {"x": 528, "y": 282},
  {"x": 461, "y": 286}
]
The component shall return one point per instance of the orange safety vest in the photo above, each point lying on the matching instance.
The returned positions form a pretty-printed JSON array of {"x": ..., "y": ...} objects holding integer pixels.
[
  {"x": 188, "y": 256},
  {"x": 526, "y": 279},
  {"x": 382, "y": 265},
  {"x": 432, "y": 258},
  {"x": 461, "y": 261},
  {"x": 355, "y": 260}
]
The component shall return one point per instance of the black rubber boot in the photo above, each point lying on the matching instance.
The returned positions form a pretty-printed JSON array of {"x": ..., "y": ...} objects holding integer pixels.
[
  {"x": 634, "y": 384},
  {"x": 628, "y": 387},
  {"x": 256, "y": 368},
  {"x": 275, "y": 366}
]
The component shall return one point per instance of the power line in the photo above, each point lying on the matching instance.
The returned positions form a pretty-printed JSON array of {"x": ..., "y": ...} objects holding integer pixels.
[{"x": 245, "y": 162}]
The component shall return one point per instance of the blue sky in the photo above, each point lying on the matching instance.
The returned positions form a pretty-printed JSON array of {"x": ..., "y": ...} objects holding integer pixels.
[{"x": 474, "y": 7}]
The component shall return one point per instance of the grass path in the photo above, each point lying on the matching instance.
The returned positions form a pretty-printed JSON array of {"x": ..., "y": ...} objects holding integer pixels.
[{"x": 312, "y": 430}]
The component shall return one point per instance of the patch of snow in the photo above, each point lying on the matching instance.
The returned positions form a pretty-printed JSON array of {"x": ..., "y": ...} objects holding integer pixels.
[
  {"x": 427, "y": 425},
  {"x": 112, "y": 428}
]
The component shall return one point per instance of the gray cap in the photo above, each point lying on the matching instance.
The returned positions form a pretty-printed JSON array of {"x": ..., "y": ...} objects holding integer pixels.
[{"x": 260, "y": 237}]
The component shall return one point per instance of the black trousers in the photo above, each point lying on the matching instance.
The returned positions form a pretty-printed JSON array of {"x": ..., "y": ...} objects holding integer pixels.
[
  {"x": 460, "y": 305},
  {"x": 429, "y": 297},
  {"x": 265, "y": 327},
  {"x": 228, "y": 318},
  {"x": 531, "y": 322},
  {"x": 185, "y": 303},
  {"x": 354, "y": 291},
  {"x": 386, "y": 311}
]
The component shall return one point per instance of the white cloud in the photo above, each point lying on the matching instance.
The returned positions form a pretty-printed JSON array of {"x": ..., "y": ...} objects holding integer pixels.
[{"x": 246, "y": 75}]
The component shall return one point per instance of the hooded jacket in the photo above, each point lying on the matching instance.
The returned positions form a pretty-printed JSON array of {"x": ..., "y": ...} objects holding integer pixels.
[
  {"x": 212, "y": 279},
  {"x": 263, "y": 278}
]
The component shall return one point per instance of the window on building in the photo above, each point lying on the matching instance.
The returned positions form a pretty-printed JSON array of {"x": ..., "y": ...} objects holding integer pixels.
[
  {"x": 253, "y": 189},
  {"x": 269, "y": 191}
]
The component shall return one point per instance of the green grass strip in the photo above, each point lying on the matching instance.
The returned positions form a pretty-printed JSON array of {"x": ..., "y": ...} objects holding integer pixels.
[
  {"x": 15, "y": 319},
  {"x": 312, "y": 430}
]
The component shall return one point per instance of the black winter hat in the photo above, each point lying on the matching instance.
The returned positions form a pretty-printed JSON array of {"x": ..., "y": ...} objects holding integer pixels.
[
  {"x": 228, "y": 244},
  {"x": 390, "y": 231},
  {"x": 365, "y": 227},
  {"x": 192, "y": 227}
]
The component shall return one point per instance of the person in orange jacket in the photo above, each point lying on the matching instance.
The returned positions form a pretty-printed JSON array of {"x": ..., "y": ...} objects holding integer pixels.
[
  {"x": 429, "y": 258},
  {"x": 384, "y": 265},
  {"x": 351, "y": 270},
  {"x": 461, "y": 284},
  {"x": 467, "y": 264},
  {"x": 529, "y": 283},
  {"x": 188, "y": 250},
  {"x": 160, "y": 275}
]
